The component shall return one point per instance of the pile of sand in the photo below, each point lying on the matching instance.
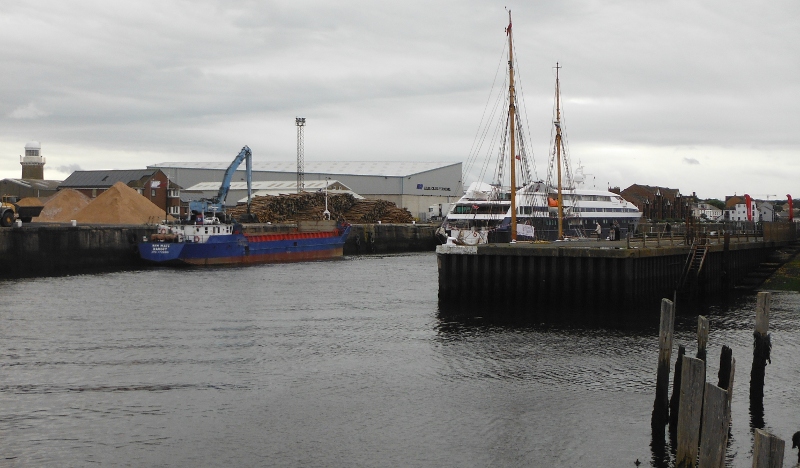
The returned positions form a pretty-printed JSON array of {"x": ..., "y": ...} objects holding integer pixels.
[
  {"x": 30, "y": 201},
  {"x": 120, "y": 205},
  {"x": 62, "y": 207}
]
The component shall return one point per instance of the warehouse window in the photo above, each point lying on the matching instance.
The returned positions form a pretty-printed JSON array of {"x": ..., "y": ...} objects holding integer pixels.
[{"x": 152, "y": 193}]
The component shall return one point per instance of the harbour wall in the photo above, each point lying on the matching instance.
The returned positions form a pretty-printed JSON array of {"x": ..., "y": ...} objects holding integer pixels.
[
  {"x": 51, "y": 250},
  {"x": 534, "y": 279},
  {"x": 38, "y": 250}
]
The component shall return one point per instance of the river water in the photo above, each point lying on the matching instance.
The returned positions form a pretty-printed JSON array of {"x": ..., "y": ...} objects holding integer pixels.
[{"x": 343, "y": 363}]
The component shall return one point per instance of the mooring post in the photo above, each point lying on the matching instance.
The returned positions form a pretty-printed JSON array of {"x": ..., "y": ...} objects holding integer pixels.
[
  {"x": 661, "y": 404},
  {"x": 767, "y": 450},
  {"x": 674, "y": 402},
  {"x": 714, "y": 437},
  {"x": 761, "y": 346},
  {"x": 692, "y": 386},
  {"x": 702, "y": 337},
  {"x": 727, "y": 370}
]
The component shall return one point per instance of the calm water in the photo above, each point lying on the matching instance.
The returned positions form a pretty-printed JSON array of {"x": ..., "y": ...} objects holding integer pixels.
[{"x": 342, "y": 363}]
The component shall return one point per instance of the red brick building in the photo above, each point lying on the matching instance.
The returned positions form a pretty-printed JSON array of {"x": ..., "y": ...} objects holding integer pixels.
[
  {"x": 658, "y": 203},
  {"x": 150, "y": 183}
]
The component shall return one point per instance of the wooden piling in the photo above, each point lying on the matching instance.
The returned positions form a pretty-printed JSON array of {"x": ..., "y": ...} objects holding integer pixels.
[
  {"x": 714, "y": 437},
  {"x": 723, "y": 376},
  {"x": 702, "y": 337},
  {"x": 761, "y": 347},
  {"x": 767, "y": 450},
  {"x": 661, "y": 404},
  {"x": 692, "y": 386},
  {"x": 674, "y": 402}
]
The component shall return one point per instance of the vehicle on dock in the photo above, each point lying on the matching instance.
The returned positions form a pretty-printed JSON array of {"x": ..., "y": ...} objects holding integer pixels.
[
  {"x": 205, "y": 239},
  {"x": 11, "y": 210}
]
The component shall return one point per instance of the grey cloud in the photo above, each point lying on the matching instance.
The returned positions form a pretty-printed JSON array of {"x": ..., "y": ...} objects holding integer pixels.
[{"x": 690, "y": 161}]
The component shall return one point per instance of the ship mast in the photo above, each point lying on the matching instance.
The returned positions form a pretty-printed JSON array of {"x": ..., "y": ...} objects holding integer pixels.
[
  {"x": 557, "y": 123},
  {"x": 511, "y": 128}
]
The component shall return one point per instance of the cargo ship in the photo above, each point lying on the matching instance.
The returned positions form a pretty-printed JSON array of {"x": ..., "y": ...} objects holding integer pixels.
[{"x": 216, "y": 243}]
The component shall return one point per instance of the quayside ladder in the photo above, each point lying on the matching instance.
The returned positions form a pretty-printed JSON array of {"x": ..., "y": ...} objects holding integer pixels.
[{"x": 694, "y": 262}]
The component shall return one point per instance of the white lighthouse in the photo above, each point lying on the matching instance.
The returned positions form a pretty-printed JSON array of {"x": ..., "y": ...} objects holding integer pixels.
[{"x": 33, "y": 161}]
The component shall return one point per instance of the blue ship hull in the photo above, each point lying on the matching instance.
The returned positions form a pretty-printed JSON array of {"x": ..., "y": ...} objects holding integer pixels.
[{"x": 233, "y": 249}]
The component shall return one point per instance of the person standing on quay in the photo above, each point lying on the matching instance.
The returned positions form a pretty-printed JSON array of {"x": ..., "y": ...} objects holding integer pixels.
[{"x": 598, "y": 229}]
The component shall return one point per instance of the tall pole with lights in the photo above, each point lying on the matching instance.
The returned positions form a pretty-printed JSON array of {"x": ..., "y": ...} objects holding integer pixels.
[{"x": 300, "y": 122}]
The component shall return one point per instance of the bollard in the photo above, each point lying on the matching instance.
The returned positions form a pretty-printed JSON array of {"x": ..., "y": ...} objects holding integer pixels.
[
  {"x": 661, "y": 404},
  {"x": 767, "y": 450},
  {"x": 691, "y": 405}
]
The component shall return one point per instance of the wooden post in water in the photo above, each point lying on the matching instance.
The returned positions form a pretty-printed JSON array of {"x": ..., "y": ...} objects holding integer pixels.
[
  {"x": 702, "y": 337},
  {"x": 675, "y": 401},
  {"x": 661, "y": 404},
  {"x": 692, "y": 386},
  {"x": 767, "y": 450},
  {"x": 761, "y": 347},
  {"x": 714, "y": 438}
]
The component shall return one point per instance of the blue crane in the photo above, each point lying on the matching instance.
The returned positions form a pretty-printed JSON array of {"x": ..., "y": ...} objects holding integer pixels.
[{"x": 217, "y": 204}]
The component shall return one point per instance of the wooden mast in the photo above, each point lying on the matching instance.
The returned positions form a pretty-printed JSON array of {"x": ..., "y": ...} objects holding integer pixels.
[
  {"x": 558, "y": 158},
  {"x": 511, "y": 129}
]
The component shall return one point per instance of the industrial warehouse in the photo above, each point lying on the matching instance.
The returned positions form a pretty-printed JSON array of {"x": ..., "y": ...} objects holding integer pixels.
[{"x": 414, "y": 186}]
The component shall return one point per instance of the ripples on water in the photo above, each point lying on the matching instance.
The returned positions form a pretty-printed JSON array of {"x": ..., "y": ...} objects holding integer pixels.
[{"x": 342, "y": 363}]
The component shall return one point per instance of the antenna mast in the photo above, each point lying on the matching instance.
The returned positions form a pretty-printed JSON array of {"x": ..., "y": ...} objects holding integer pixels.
[{"x": 300, "y": 122}]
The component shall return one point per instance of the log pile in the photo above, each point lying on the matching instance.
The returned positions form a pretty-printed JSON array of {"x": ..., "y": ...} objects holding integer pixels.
[{"x": 310, "y": 206}]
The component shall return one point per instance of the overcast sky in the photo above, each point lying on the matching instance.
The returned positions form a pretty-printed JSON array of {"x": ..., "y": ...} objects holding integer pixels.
[{"x": 702, "y": 96}]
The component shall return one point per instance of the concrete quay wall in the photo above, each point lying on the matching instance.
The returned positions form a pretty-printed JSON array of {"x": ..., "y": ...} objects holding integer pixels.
[
  {"x": 531, "y": 277},
  {"x": 52, "y": 250},
  {"x": 390, "y": 238},
  {"x": 39, "y": 250}
]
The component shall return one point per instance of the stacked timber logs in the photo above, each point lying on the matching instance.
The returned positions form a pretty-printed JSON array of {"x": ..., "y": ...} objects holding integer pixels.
[{"x": 310, "y": 206}]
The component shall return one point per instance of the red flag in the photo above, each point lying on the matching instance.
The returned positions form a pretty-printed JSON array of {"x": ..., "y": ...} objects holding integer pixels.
[
  {"x": 517, "y": 156},
  {"x": 791, "y": 208},
  {"x": 508, "y": 29},
  {"x": 748, "y": 203}
]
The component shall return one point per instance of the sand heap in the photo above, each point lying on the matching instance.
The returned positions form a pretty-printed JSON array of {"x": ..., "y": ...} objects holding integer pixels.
[
  {"x": 62, "y": 207},
  {"x": 30, "y": 201},
  {"x": 120, "y": 205}
]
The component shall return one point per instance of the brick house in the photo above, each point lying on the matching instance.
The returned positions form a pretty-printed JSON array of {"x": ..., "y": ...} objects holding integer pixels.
[
  {"x": 150, "y": 183},
  {"x": 658, "y": 203}
]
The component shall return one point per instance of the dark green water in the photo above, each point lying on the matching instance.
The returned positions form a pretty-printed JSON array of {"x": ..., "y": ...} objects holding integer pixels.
[{"x": 341, "y": 363}]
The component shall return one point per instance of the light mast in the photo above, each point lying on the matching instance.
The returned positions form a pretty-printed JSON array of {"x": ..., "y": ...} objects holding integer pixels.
[{"x": 300, "y": 122}]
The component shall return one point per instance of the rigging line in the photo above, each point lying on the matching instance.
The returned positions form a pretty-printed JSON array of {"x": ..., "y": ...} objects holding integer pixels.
[
  {"x": 525, "y": 109},
  {"x": 496, "y": 110},
  {"x": 480, "y": 124},
  {"x": 491, "y": 124},
  {"x": 486, "y": 129}
]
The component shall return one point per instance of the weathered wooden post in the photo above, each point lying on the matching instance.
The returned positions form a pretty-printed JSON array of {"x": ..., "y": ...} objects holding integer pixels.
[
  {"x": 702, "y": 337},
  {"x": 761, "y": 347},
  {"x": 661, "y": 404},
  {"x": 674, "y": 402},
  {"x": 714, "y": 437},
  {"x": 691, "y": 405},
  {"x": 767, "y": 450}
]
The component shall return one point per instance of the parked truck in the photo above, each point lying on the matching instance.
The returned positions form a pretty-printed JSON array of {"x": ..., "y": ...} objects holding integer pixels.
[
  {"x": 438, "y": 212},
  {"x": 11, "y": 210}
]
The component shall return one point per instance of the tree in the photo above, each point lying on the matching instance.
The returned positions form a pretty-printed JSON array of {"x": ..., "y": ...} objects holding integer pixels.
[{"x": 716, "y": 203}]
